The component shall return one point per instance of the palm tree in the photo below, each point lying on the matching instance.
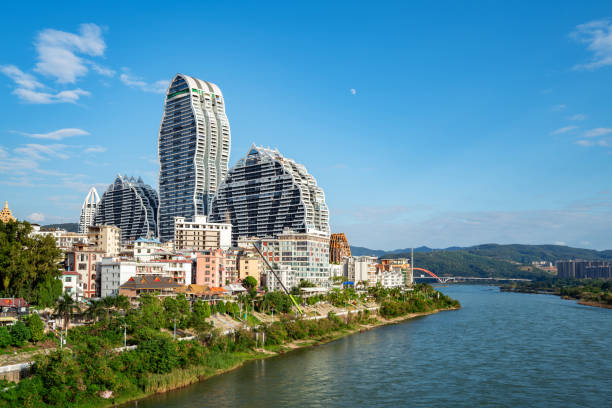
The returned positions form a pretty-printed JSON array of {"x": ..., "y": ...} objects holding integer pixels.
[
  {"x": 65, "y": 308},
  {"x": 94, "y": 311}
]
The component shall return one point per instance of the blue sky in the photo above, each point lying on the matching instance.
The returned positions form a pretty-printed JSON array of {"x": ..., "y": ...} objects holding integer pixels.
[{"x": 425, "y": 123}]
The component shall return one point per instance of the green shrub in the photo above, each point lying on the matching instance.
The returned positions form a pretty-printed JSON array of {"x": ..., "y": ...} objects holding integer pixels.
[
  {"x": 5, "y": 337},
  {"x": 36, "y": 326},
  {"x": 19, "y": 334}
]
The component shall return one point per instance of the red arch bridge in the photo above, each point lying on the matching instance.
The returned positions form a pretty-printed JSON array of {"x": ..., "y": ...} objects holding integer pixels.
[
  {"x": 433, "y": 275},
  {"x": 445, "y": 279}
]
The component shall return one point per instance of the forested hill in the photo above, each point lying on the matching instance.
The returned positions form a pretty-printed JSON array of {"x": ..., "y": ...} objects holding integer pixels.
[
  {"x": 489, "y": 259},
  {"x": 524, "y": 254},
  {"x": 69, "y": 226}
]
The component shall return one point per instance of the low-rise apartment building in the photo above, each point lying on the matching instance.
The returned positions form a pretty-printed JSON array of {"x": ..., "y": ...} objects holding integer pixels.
[
  {"x": 216, "y": 267},
  {"x": 106, "y": 238},
  {"x": 71, "y": 284},
  {"x": 200, "y": 235},
  {"x": 84, "y": 259}
]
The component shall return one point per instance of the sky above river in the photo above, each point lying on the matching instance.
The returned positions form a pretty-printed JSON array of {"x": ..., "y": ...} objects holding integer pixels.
[{"x": 439, "y": 124}]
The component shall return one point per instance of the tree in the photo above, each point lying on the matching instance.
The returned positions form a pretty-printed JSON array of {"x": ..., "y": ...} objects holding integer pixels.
[
  {"x": 201, "y": 311},
  {"x": 249, "y": 282},
  {"x": 65, "y": 308},
  {"x": 29, "y": 264},
  {"x": 95, "y": 310},
  {"x": 36, "y": 326}
]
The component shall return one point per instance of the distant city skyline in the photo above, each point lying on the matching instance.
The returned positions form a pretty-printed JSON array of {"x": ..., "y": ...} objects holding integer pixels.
[{"x": 437, "y": 125}]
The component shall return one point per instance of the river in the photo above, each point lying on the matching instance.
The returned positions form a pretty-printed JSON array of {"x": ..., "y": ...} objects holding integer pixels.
[{"x": 499, "y": 350}]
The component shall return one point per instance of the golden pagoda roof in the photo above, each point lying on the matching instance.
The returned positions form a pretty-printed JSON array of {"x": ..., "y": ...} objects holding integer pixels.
[{"x": 6, "y": 215}]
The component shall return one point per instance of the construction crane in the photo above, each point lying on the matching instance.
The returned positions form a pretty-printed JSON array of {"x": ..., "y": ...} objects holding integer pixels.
[{"x": 277, "y": 278}]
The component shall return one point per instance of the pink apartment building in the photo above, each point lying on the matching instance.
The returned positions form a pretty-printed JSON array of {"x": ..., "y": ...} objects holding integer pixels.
[{"x": 216, "y": 267}]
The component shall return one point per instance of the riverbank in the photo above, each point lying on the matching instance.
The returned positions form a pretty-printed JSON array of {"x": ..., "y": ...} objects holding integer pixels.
[
  {"x": 588, "y": 292},
  {"x": 580, "y": 301},
  {"x": 93, "y": 371},
  {"x": 193, "y": 375}
]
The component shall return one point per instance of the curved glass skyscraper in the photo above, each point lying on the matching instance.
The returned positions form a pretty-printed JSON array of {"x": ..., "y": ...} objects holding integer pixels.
[
  {"x": 264, "y": 193},
  {"x": 130, "y": 205},
  {"x": 88, "y": 210},
  {"x": 194, "y": 149}
]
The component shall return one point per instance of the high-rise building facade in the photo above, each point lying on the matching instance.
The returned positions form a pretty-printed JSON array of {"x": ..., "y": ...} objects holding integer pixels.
[
  {"x": 194, "y": 149},
  {"x": 264, "y": 193},
  {"x": 88, "y": 210},
  {"x": 339, "y": 248},
  {"x": 130, "y": 205}
]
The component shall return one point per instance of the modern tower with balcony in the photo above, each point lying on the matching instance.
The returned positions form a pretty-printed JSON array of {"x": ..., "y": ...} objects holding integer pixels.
[
  {"x": 88, "y": 210},
  {"x": 194, "y": 149},
  {"x": 265, "y": 193},
  {"x": 131, "y": 205}
]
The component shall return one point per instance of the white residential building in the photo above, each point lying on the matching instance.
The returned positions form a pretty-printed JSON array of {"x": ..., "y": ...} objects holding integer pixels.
[
  {"x": 115, "y": 272},
  {"x": 306, "y": 254},
  {"x": 200, "y": 235},
  {"x": 146, "y": 249},
  {"x": 391, "y": 279},
  {"x": 286, "y": 275},
  {"x": 88, "y": 210},
  {"x": 71, "y": 284},
  {"x": 361, "y": 269},
  {"x": 63, "y": 239}
]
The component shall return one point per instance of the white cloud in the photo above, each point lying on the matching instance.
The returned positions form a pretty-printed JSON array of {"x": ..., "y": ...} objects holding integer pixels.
[
  {"x": 353, "y": 91},
  {"x": 597, "y": 35},
  {"x": 57, "y": 52},
  {"x": 58, "y": 134},
  {"x": 30, "y": 96},
  {"x": 558, "y": 108},
  {"x": 42, "y": 152},
  {"x": 36, "y": 217},
  {"x": 560, "y": 243},
  {"x": 95, "y": 149},
  {"x": 60, "y": 56},
  {"x": 136, "y": 82},
  {"x": 563, "y": 130},
  {"x": 578, "y": 116},
  {"x": 102, "y": 70},
  {"x": 597, "y": 132},
  {"x": 22, "y": 79},
  {"x": 589, "y": 143}
]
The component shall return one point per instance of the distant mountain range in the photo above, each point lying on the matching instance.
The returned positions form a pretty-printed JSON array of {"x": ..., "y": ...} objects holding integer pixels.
[
  {"x": 524, "y": 254},
  {"x": 68, "y": 226},
  {"x": 360, "y": 251},
  {"x": 488, "y": 259}
]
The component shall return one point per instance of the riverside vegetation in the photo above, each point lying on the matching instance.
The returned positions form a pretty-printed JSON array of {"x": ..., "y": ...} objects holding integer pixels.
[
  {"x": 90, "y": 372},
  {"x": 592, "y": 292}
]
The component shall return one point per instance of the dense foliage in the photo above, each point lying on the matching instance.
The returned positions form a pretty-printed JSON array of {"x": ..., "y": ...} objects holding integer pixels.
[
  {"x": 588, "y": 290},
  {"x": 28, "y": 264},
  {"x": 91, "y": 364},
  {"x": 524, "y": 254},
  {"x": 462, "y": 263}
]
